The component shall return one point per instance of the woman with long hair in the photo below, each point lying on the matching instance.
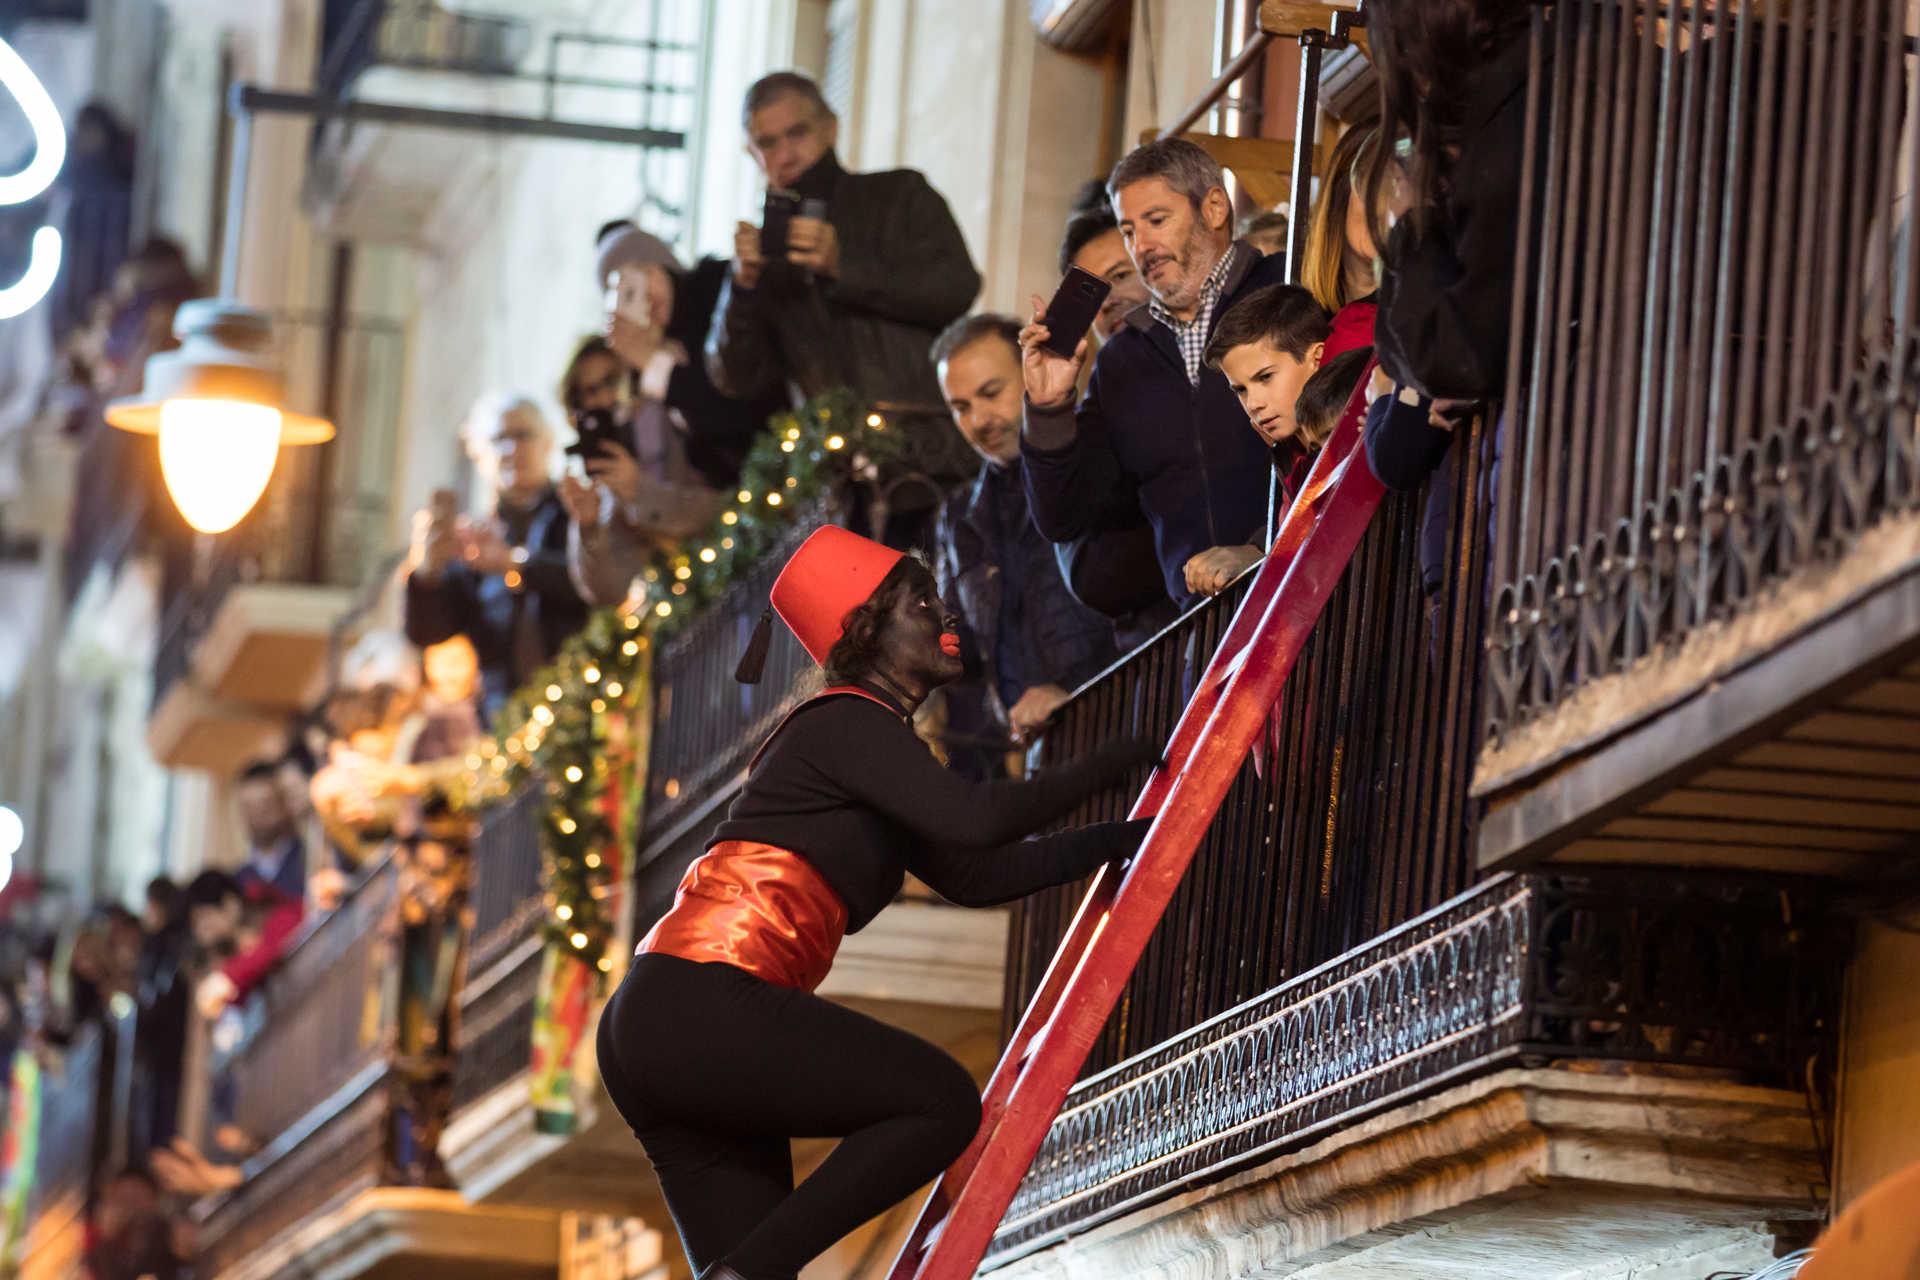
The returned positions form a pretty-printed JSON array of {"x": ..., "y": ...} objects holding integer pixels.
[
  {"x": 1341, "y": 258},
  {"x": 714, "y": 1048}
]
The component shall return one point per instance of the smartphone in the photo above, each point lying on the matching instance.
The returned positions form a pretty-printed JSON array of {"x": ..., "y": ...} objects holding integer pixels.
[
  {"x": 595, "y": 429},
  {"x": 627, "y": 295},
  {"x": 781, "y": 209},
  {"x": 1072, "y": 310},
  {"x": 776, "y": 219}
]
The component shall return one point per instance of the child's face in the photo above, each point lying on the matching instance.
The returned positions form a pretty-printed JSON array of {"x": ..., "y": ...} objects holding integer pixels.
[{"x": 1268, "y": 381}]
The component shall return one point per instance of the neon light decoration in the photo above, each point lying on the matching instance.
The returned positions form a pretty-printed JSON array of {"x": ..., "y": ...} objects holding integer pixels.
[{"x": 49, "y": 153}]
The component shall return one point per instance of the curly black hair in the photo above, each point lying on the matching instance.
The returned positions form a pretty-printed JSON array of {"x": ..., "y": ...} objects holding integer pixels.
[{"x": 853, "y": 655}]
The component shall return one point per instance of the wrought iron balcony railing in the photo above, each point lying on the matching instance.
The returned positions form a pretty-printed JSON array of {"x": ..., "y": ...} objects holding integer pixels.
[
  {"x": 1359, "y": 819},
  {"x": 1607, "y": 965},
  {"x": 1716, "y": 386},
  {"x": 315, "y": 1083}
]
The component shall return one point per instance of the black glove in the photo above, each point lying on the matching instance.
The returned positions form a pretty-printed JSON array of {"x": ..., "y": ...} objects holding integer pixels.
[{"x": 1122, "y": 757}]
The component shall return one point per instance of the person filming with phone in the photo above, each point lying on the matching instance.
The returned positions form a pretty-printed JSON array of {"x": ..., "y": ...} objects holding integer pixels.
[
  {"x": 846, "y": 280},
  {"x": 501, "y": 581},
  {"x": 642, "y": 486}
]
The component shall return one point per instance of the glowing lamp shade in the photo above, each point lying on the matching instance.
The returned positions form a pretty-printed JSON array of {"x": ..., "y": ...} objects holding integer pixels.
[
  {"x": 217, "y": 456},
  {"x": 217, "y": 405}
]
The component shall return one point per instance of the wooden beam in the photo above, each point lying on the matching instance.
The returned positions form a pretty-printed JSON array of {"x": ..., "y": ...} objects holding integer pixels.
[{"x": 1283, "y": 18}]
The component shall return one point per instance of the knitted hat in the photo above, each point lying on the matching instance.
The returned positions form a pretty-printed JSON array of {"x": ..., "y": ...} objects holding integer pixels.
[
  {"x": 832, "y": 574},
  {"x": 632, "y": 247}
]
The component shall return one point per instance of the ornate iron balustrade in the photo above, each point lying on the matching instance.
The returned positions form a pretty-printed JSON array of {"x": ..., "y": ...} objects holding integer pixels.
[
  {"x": 71, "y": 1098},
  {"x": 315, "y": 1084},
  {"x": 1712, "y": 251},
  {"x": 1361, "y": 818},
  {"x": 496, "y": 1000},
  {"x": 1608, "y": 965}
]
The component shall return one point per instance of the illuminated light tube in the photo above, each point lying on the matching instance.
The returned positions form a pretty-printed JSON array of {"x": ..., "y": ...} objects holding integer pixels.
[
  {"x": 26, "y": 292},
  {"x": 49, "y": 134}
]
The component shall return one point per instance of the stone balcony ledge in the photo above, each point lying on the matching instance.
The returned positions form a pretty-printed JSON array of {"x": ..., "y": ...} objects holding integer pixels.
[{"x": 1538, "y": 1173}]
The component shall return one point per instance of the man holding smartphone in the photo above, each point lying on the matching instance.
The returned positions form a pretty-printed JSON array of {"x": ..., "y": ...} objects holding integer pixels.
[
  {"x": 1155, "y": 425},
  {"x": 846, "y": 281}
]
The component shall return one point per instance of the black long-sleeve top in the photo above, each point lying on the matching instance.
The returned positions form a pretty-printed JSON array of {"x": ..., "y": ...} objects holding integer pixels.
[{"x": 846, "y": 784}]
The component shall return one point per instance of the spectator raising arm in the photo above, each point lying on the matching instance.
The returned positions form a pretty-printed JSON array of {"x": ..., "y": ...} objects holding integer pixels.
[{"x": 1070, "y": 462}]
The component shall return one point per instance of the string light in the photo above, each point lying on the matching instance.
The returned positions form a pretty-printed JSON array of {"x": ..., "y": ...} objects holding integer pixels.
[
  {"x": 726, "y": 544},
  {"x": 836, "y": 442},
  {"x": 708, "y": 555},
  {"x": 683, "y": 572},
  {"x": 593, "y": 860},
  {"x": 730, "y": 517},
  {"x": 591, "y": 675},
  {"x": 553, "y": 693},
  {"x": 746, "y": 496},
  {"x": 792, "y": 482},
  {"x": 631, "y": 648},
  {"x": 679, "y": 588},
  {"x": 599, "y": 705},
  {"x": 563, "y": 913},
  {"x": 543, "y": 714},
  {"x": 773, "y": 499},
  {"x": 604, "y": 964},
  {"x": 575, "y": 773},
  {"x": 615, "y": 688},
  {"x": 873, "y": 420},
  {"x": 663, "y": 608},
  {"x": 567, "y": 825},
  {"x": 786, "y": 446},
  {"x": 579, "y": 941}
]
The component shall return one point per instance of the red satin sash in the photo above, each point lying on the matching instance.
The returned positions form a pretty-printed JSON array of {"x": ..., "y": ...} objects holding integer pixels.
[{"x": 757, "y": 908}]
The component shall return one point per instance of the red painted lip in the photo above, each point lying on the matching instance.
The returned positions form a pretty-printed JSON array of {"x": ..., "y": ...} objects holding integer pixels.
[{"x": 950, "y": 645}]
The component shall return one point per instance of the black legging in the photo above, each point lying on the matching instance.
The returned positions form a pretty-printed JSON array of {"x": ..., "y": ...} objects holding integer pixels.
[{"x": 715, "y": 1070}]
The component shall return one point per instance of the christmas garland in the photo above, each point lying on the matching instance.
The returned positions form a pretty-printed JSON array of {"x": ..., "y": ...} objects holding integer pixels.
[
  {"x": 576, "y": 729},
  {"x": 827, "y": 446},
  {"x": 576, "y": 725}
]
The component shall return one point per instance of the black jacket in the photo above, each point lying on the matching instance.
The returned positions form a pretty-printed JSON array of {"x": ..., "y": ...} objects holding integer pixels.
[
  {"x": 1065, "y": 642},
  {"x": 487, "y": 610},
  {"x": 1199, "y": 468},
  {"x": 720, "y": 428},
  {"x": 904, "y": 276},
  {"x": 1446, "y": 293}
]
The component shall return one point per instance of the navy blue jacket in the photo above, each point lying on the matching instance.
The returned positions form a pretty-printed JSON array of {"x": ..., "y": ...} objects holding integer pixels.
[
  {"x": 1189, "y": 451},
  {"x": 1065, "y": 642}
]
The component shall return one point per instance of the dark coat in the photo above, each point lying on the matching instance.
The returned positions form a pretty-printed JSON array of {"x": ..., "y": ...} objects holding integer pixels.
[
  {"x": 486, "y": 610},
  {"x": 720, "y": 429},
  {"x": 1446, "y": 290},
  {"x": 1198, "y": 467},
  {"x": 1066, "y": 642},
  {"x": 904, "y": 275}
]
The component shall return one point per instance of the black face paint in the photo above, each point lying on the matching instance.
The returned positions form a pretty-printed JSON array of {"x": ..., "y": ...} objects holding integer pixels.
[{"x": 920, "y": 645}]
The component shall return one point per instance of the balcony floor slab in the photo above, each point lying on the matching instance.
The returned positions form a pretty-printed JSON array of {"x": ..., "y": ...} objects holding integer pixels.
[{"x": 1533, "y": 1174}]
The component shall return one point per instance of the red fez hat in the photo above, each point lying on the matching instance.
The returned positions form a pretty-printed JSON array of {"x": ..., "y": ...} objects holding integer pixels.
[{"x": 830, "y": 576}]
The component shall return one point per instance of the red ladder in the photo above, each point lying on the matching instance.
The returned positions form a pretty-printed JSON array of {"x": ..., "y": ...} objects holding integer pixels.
[{"x": 1219, "y": 727}]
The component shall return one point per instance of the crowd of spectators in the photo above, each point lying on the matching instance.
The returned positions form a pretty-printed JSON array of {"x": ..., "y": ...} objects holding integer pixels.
[{"x": 1071, "y": 505}]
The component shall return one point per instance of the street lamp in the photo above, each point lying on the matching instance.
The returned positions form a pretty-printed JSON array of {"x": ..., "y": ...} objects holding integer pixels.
[{"x": 216, "y": 404}]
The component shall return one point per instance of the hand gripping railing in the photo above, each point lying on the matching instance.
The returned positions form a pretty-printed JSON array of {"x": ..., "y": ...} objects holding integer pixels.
[{"x": 1219, "y": 728}]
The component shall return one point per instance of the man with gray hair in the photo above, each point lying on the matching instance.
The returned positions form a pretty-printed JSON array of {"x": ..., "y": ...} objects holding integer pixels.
[
  {"x": 866, "y": 270},
  {"x": 501, "y": 581},
  {"x": 1155, "y": 425}
]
